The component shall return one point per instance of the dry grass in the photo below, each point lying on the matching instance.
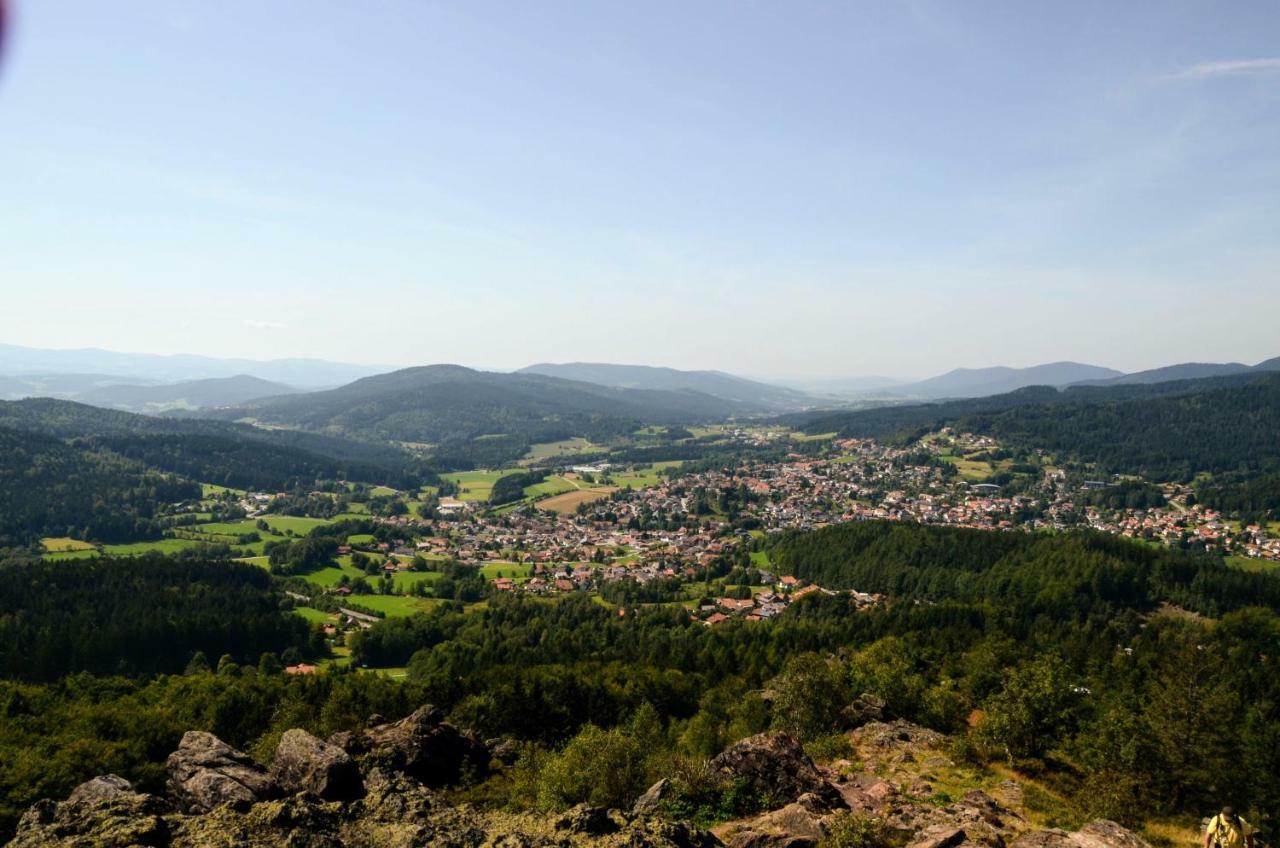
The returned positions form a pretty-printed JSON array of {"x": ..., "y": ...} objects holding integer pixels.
[{"x": 568, "y": 502}]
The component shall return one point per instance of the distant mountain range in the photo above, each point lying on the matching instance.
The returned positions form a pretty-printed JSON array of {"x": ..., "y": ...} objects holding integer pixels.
[
  {"x": 980, "y": 382},
  {"x": 189, "y": 394},
  {"x": 747, "y": 394},
  {"x": 150, "y": 367},
  {"x": 1186, "y": 371}
]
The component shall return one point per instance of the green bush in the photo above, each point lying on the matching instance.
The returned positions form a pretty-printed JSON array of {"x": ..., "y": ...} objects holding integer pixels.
[
  {"x": 604, "y": 768},
  {"x": 852, "y": 830}
]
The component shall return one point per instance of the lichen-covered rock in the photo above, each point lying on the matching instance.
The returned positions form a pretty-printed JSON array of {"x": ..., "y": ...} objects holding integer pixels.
[
  {"x": 1096, "y": 834},
  {"x": 206, "y": 772},
  {"x": 775, "y": 766},
  {"x": 422, "y": 746},
  {"x": 303, "y": 763},
  {"x": 107, "y": 806}
]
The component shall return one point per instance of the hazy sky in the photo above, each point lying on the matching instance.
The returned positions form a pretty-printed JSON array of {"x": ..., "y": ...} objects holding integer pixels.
[{"x": 768, "y": 188}]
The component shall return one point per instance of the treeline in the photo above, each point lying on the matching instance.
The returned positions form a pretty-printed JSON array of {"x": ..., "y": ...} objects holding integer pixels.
[
  {"x": 1176, "y": 438},
  {"x": 510, "y": 487},
  {"x": 137, "y": 616},
  {"x": 50, "y": 488},
  {"x": 1165, "y": 431},
  {"x": 1070, "y": 576}
]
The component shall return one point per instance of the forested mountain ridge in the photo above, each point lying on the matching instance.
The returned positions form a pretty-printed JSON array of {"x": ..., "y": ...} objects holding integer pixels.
[
  {"x": 443, "y": 403},
  {"x": 1166, "y": 431}
]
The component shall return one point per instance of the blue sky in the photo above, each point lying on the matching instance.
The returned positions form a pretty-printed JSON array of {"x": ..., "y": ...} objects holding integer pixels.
[{"x": 767, "y": 188}]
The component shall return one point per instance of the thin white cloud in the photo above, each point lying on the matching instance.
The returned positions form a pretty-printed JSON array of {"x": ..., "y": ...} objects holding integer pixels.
[
  {"x": 1228, "y": 68},
  {"x": 255, "y": 324}
]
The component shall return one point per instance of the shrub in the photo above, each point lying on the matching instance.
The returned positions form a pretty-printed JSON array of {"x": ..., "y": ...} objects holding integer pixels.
[
  {"x": 851, "y": 830},
  {"x": 604, "y": 768}
]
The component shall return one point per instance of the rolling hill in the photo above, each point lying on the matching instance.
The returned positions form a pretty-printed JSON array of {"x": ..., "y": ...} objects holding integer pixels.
[
  {"x": 749, "y": 394},
  {"x": 211, "y": 451}
]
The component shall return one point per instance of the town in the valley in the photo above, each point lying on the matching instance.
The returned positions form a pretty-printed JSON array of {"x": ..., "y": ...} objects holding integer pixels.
[{"x": 697, "y": 536}]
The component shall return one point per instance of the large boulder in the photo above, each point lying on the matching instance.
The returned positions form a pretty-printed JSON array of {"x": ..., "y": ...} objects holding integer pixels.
[
  {"x": 422, "y": 746},
  {"x": 303, "y": 763},
  {"x": 651, "y": 801},
  {"x": 106, "y": 807},
  {"x": 775, "y": 766},
  {"x": 206, "y": 772}
]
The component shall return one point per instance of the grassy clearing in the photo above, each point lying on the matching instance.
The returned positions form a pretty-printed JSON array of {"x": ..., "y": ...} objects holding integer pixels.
[
  {"x": 816, "y": 437},
  {"x": 300, "y": 526},
  {"x": 60, "y": 544},
  {"x": 549, "y": 486},
  {"x": 643, "y": 478},
  {"x": 491, "y": 570},
  {"x": 164, "y": 546},
  {"x": 760, "y": 559},
  {"x": 315, "y": 616},
  {"x": 565, "y": 447},
  {"x": 1259, "y": 566},
  {"x": 395, "y": 606},
  {"x": 474, "y": 485},
  {"x": 209, "y": 490}
]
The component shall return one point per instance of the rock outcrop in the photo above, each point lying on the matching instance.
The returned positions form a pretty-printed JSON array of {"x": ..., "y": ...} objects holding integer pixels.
[
  {"x": 422, "y": 746},
  {"x": 206, "y": 772},
  {"x": 305, "y": 764},
  {"x": 374, "y": 789},
  {"x": 371, "y": 789},
  {"x": 120, "y": 817},
  {"x": 775, "y": 766}
]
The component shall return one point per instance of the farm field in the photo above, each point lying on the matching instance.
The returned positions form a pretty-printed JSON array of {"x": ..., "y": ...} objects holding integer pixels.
[
  {"x": 549, "y": 486},
  {"x": 63, "y": 543},
  {"x": 569, "y": 501}
]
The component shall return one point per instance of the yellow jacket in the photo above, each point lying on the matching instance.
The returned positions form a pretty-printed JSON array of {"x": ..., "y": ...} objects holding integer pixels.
[{"x": 1226, "y": 833}]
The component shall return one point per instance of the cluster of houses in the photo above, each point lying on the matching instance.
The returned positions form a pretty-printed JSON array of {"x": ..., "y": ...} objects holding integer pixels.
[{"x": 663, "y": 532}]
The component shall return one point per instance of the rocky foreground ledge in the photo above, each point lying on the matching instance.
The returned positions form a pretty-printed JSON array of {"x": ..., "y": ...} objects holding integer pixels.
[{"x": 375, "y": 789}]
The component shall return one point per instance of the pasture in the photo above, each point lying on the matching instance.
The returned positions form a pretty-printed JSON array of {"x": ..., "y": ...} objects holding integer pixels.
[
  {"x": 565, "y": 447},
  {"x": 395, "y": 606},
  {"x": 491, "y": 570},
  {"x": 474, "y": 485}
]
